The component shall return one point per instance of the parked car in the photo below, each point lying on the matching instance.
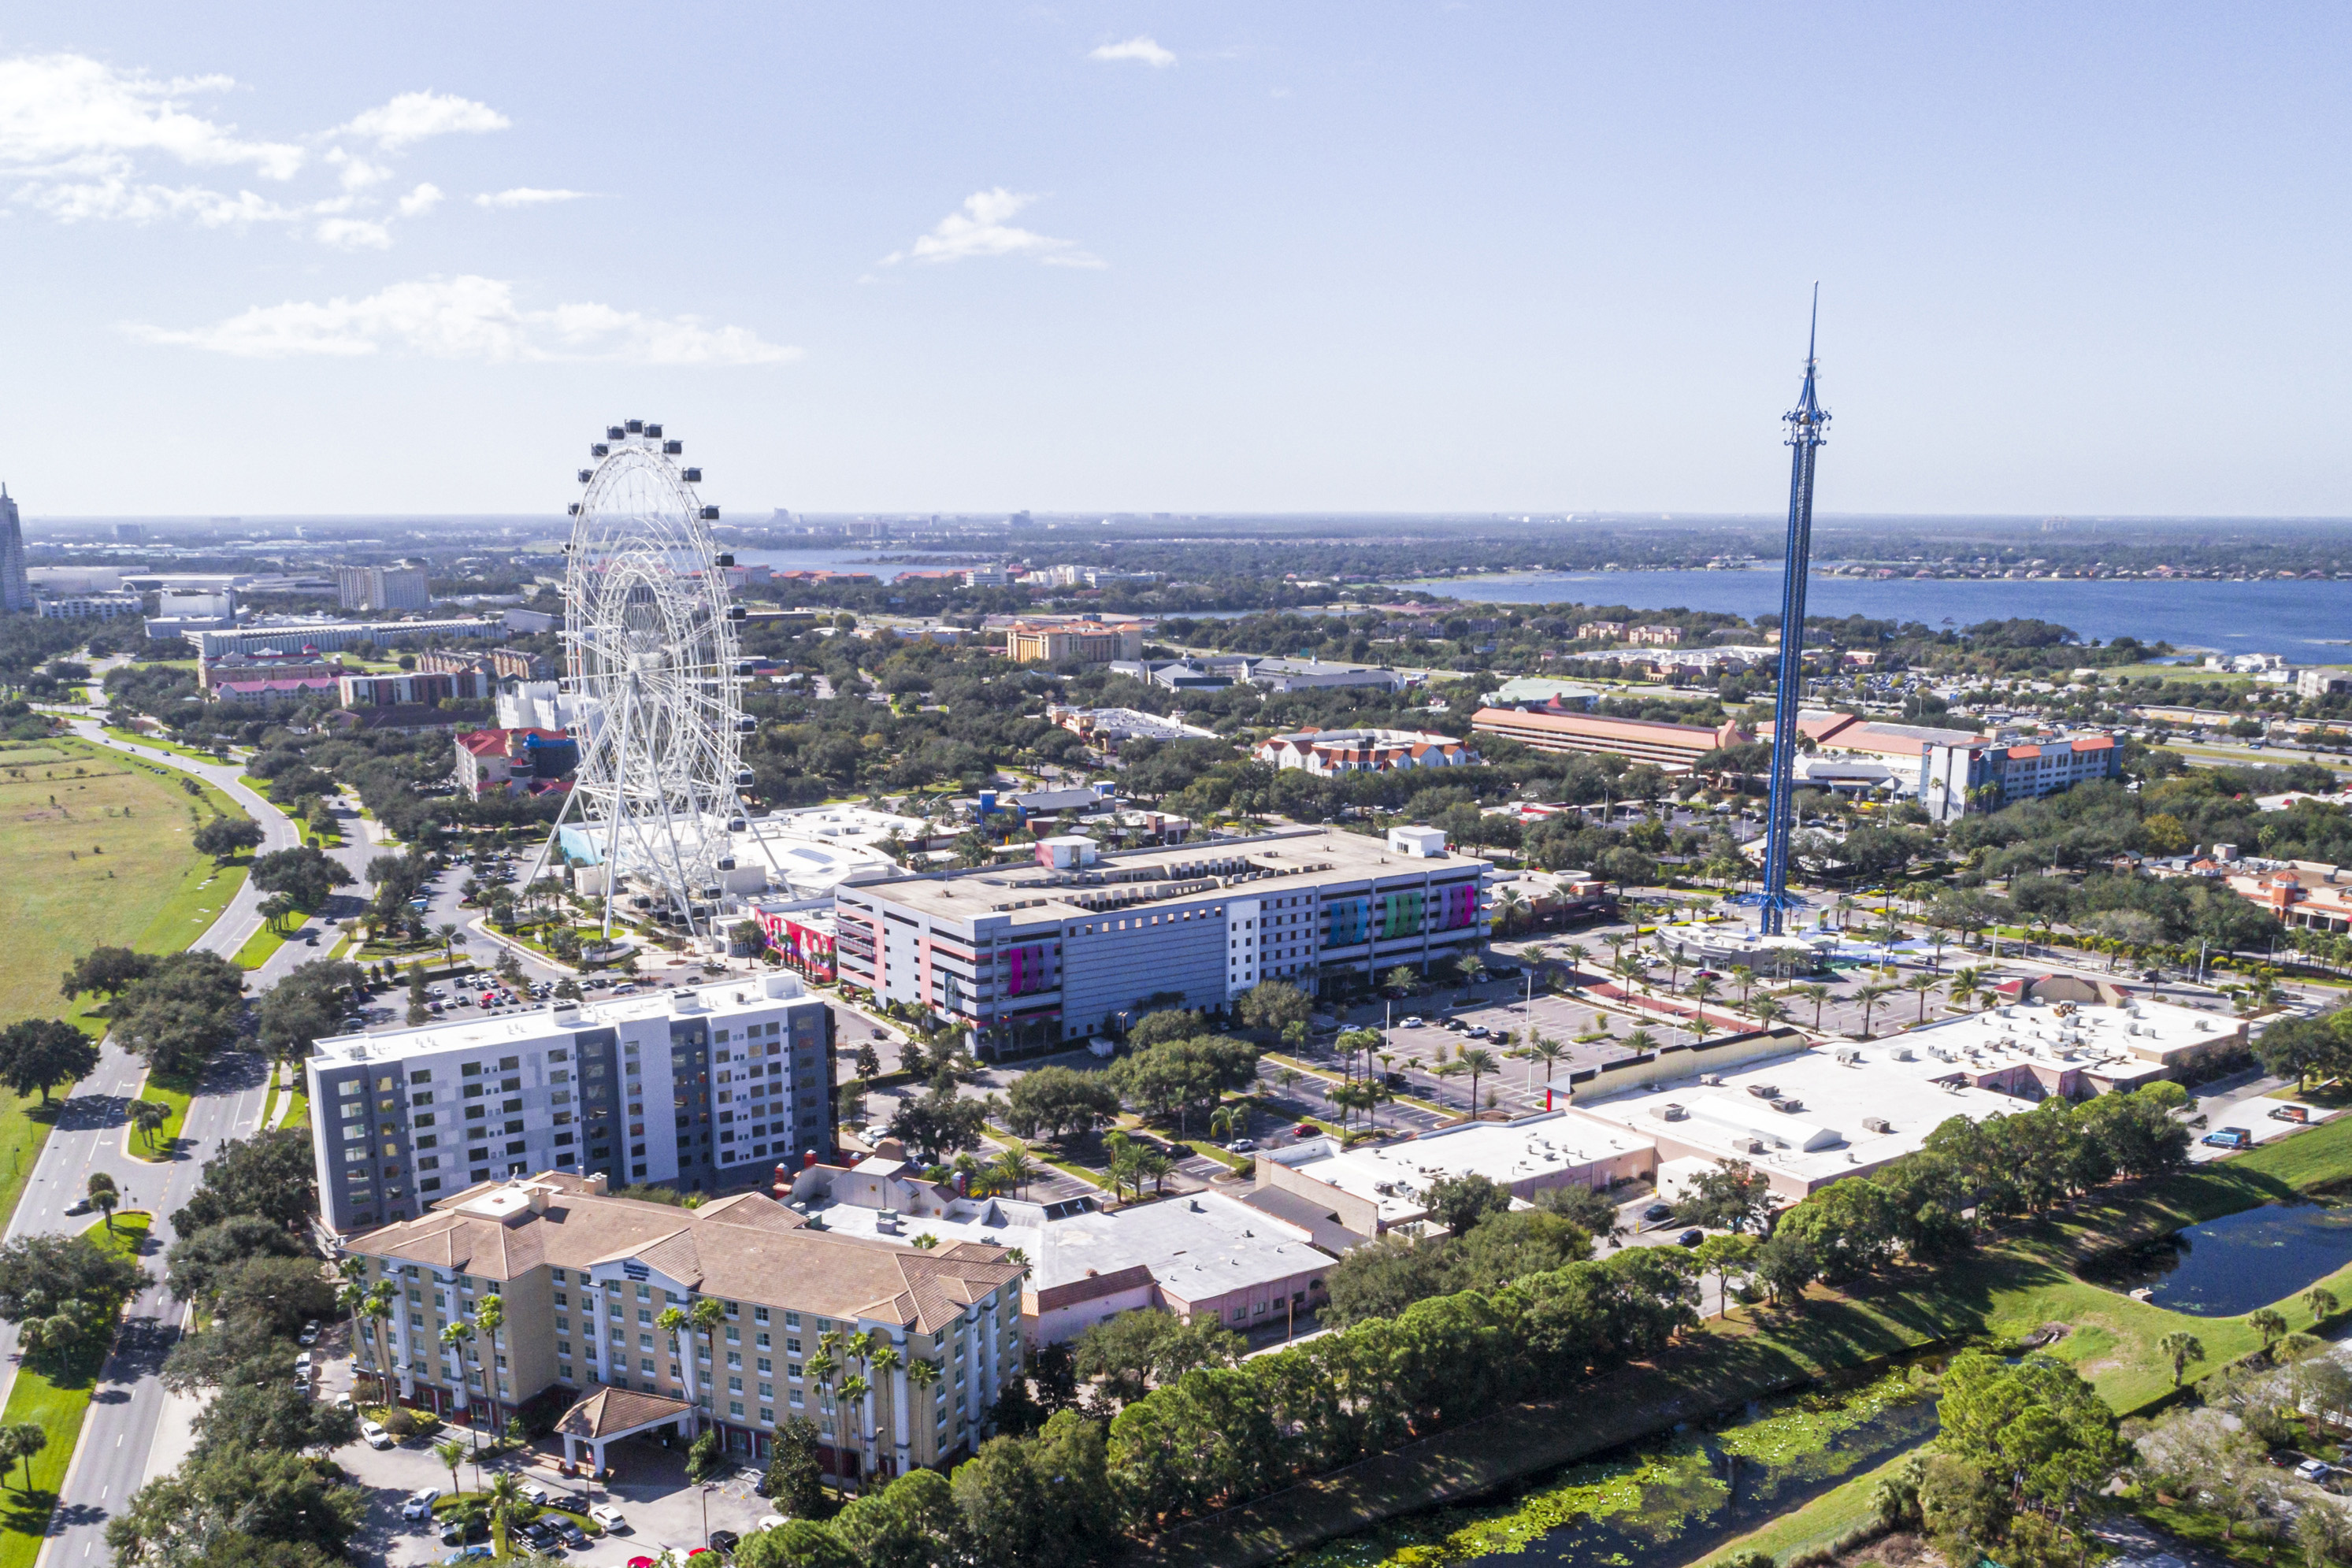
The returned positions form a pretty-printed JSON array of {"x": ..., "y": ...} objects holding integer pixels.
[
  {"x": 2231, "y": 1138},
  {"x": 1241, "y": 1145},
  {"x": 464, "y": 1554},
  {"x": 1396, "y": 1080},
  {"x": 1412, "y": 1021},
  {"x": 458, "y": 1531},
  {"x": 605, "y": 1515},
  {"x": 574, "y": 1536},
  {"x": 725, "y": 1540},
  {"x": 1657, "y": 1213},
  {"x": 1480, "y": 1032},
  {"x": 1304, "y": 1130},
  {"x": 536, "y": 1493},
  {"x": 2313, "y": 1471},
  {"x": 420, "y": 1503},
  {"x": 1690, "y": 1239},
  {"x": 377, "y": 1438},
  {"x": 2290, "y": 1114}
]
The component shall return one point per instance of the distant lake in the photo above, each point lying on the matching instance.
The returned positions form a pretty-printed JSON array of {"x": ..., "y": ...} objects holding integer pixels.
[{"x": 2306, "y": 623}]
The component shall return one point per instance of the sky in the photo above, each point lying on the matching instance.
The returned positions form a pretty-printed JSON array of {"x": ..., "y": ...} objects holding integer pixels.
[{"x": 2080, "y": 260}]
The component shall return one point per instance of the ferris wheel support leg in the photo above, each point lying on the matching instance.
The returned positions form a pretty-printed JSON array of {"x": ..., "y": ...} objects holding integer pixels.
[
  {"x": 620, "y": 808},
  {"x": 539, "y": 862}
]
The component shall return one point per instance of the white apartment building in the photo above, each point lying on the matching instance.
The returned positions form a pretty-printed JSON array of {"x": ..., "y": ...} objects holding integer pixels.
[{"x": 701, "y": 1088}]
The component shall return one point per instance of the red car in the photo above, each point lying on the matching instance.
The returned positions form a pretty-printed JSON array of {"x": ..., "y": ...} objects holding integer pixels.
[{"x": 1306, "y": 1130}]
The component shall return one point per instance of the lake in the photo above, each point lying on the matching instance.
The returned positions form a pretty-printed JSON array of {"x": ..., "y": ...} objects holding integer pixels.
[
  {"x": 2307, "y": 622},
  {"x": 2236, "y": 1263}
]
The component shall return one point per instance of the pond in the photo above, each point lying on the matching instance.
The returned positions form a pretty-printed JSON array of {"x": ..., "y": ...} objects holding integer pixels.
[
  {"x": 1668, "y": 1501},
  {"x": 2236, "y": 1263}
]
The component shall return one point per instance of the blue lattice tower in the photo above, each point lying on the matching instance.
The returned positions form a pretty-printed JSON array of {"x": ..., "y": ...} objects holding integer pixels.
[{"x": 1808, "y": 429}]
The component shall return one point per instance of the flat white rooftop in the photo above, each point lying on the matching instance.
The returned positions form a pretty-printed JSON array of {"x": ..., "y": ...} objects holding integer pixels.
[
  {"x": 1395, "y": 1176},
  {"x": 1199, "y": 1246},
  {"x": 1810, "y": 1116},
  {"x": 718, "y": 999}
]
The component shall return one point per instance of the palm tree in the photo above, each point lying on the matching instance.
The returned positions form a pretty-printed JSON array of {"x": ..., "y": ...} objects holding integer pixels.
[
  {"x": 2320, "y": 1302},
  {"x": 504, "y": 1496},
  {"x": 2267, "y": 1323},
  {"x": 1746, "y": 978},
  {"x": 1451, "y": 1070},
  {"x": 1014, "y": 1169},
  {"x": 25, "y": 1440},
  {"x": 147, "y": 1115},
  {"x": 1817, "y": 994},
  {"x": 1925, "y": 985},
  {"x": 1766, "y": 1011},
  {"x": 450, "y": 937},
  {"x": 275, "y": 908},
  {"x": 1548, "y": 1052},
  {"x": 452, "y": 1453},
  {"x": 105, "y": 1197},
  {"x": 1480, "y": 1061},
  {"x": 821, "y": 1368},
  {"x": 1641, "y": 1040},
  {"x": 490, "y": 1317},
  {"x": 1870, "y": 996},
  {"x": 453, "y": 1339},
  {"x": 1700, "y": 989}
]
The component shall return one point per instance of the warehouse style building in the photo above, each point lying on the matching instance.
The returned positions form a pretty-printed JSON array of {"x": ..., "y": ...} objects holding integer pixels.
[
  {"x": 1672, "y": 747},
  {"x": 700, "y": 1088},
  {"x": 583, "y": 1279},
  {"x": 1031, "y": 957}
]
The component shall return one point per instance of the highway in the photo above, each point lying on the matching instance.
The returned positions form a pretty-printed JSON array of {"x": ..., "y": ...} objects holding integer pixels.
[{"x": 92, "y": 1133}]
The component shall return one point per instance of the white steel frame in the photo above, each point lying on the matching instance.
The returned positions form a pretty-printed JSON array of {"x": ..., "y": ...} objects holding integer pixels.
[{"x": 650, "y": 654}]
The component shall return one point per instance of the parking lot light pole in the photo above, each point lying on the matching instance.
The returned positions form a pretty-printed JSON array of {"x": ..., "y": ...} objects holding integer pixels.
[{"x": 705, "y": 1489}]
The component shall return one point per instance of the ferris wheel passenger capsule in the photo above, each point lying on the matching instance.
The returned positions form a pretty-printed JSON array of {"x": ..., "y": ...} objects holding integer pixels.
[
  {"x": 692, "y": 476},
  {"x": 653, "y": 431},
  {"x": 615, "y": 431},
  {"x": 573, "y": 510},
  {"x": 587, "y": 474},
  {"x": 672, "y": 448},
  {"x": 709, "y": 514},
  {"x": 636, "y": 427},
  {"x": 598, "y": 449},
  {"x": 746, "y": 725}
]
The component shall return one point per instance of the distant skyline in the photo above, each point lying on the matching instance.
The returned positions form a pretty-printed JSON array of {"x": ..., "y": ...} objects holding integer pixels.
[{"x": 1406, "y": 259}]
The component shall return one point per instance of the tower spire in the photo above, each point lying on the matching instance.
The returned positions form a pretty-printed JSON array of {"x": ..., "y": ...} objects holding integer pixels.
[{"x": 1808, "y": 429}]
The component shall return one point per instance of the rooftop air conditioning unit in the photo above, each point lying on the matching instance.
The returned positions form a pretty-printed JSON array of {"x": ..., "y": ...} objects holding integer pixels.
[
  {"x": 1748, "y": 1146},
  {"x": 1669, "y": 1112},
  {"x": 1877, "y": 1124},
  {"x": 1905, "y": 1053},
  {"x": 1712, "y": 1080},
  {"x": 1764, "y": 1091}
]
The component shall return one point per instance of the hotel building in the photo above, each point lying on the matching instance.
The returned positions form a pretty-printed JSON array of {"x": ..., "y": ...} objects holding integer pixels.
[
  {"x": 1025, "y": 957},
  {"x": 700, "y": 1088},
  {"x": 1672, "y": 746},
  {"x": 583, "y": 1281}
]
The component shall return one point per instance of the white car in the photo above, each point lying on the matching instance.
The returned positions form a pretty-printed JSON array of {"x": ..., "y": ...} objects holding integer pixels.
[
  {"x": 605, "y": 1515},
  {"x": 1412, "y": 1021},
  {"x": 536, "y": 1493},
  {"x": 377, "y": 1438},
  {"x": 2313, "y": 1471},
  {"x": 771, "y": 1522},
  {"x": 420, "y": 1503}
]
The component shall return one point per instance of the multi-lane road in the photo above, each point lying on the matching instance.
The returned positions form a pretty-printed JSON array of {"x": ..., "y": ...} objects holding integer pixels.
[{"x": 94, "y": 1134}]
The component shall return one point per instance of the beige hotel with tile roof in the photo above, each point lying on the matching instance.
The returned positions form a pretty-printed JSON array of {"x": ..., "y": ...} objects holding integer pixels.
[{"x": 583, "y": 1278}]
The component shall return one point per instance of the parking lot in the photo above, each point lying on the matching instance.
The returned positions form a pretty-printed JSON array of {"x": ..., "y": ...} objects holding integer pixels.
[{"x": 663, "y": 1511}]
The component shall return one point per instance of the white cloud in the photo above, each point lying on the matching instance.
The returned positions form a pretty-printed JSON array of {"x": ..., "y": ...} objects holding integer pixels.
[
  {"x": 469, "y": 318},
  {"x": 353, "y": 233},
  {"x": 980, "y": 228},
  {"x": 1142, "y": 48},
  {"x": 420, "y": 201},
  {"x": 414, "y": 116},
  {"x": 357, "y": 173},
  {"x": 115, "y": 197},
  {"x": 68, "y": 114},
  {"x": 527, "y": 197}
]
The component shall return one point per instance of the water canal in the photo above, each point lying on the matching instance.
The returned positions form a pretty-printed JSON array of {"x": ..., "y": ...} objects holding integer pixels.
[{"x": 1670, "y": 1501}]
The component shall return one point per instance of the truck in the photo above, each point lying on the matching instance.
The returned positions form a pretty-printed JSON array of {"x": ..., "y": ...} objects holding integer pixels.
[{"x": 2231, "y": 1138}]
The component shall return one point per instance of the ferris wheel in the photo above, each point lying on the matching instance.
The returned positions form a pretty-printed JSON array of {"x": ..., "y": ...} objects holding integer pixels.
[{"x": 652, "y": 673}]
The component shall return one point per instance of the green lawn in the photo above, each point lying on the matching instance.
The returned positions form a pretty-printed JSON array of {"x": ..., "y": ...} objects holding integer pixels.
[
  {"x": 259, "y": 946},
  {"x": 298, "y": 1112},
  {"x": 173, "y": 746},
  {"x": 56, "y": 1398},
  {"x": 175, "y": 1091}
]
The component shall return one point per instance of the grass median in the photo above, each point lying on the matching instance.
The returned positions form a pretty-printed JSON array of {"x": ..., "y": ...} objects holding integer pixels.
[
  {"x": 176, "y": 1090},
  {"x": 54, "y": 1395}
]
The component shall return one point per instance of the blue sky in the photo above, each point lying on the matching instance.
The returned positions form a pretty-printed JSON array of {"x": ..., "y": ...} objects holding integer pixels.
[{"x": 2074, "y": 260}]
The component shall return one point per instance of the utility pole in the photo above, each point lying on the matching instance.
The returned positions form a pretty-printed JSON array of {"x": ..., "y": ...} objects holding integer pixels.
[{"x": 1808, "y": 429}]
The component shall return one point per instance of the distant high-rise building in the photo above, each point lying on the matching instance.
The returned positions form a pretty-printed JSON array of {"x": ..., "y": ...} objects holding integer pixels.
[
  {"x": 127, "y": 533},
  {"x": 16, "y": 591},
  {"x": 401, "y": 587}
]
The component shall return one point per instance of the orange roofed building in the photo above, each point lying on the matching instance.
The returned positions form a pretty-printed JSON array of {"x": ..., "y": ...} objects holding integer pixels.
[{"x": 1675, "y": 747}]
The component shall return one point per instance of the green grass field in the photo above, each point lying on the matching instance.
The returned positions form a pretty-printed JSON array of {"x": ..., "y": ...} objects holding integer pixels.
[
  {"x": 147, "y": 890},
  {"x": 56, "y": 1398},
  {"x": 297, "y": 1113},
  {"x": 258, "y": 948}
]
